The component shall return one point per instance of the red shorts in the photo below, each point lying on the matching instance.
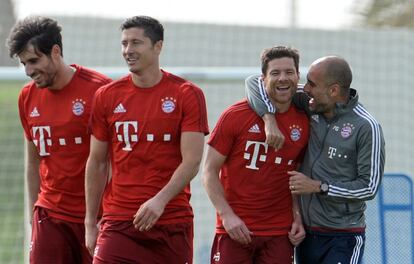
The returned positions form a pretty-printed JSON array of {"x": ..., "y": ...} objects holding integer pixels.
[
  {"x": 120, "y": 242},
  {"x": 57, "y": 241},
  {"x": 262, "y": 249}
]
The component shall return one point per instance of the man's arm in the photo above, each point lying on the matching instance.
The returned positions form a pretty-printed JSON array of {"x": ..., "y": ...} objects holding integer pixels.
[
  {"x": 95, "y": 180},
  {"x": 31, "y": 171},
  {"x": 369, "y": 168},
  {"x": 297, "y": 232},
  {"x": 192, "y": 144},
  {"x": 233, "y": 225},
  {"x": 260, "y": 103}
]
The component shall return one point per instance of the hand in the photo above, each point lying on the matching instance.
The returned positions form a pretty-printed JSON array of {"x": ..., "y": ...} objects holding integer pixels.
[
  {"x": 297, "y": 233},
  {"x": 302, "y": 184},
  {"x": 91, "y": 234},
  {"x": 274, "y": 136},
  {"x": 236, "y": 228},
  {"x": 148, "y": 214}
]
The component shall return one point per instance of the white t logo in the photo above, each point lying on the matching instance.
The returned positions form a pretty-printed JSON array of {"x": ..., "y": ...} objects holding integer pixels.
[
  {"x": 256, "y": 149},
  {"x": 44, "y": 139},
  {"x": 331, "y": 152},
  {"x": 122, "y": 131}
]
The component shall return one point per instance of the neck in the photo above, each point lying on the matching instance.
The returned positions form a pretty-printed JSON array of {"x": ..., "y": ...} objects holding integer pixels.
[
  {"x": 63, "y": 77},
  {"x": 281, "y": 108},
  {"x": 147, "y": 78},
  {"x": 343, "y": 100}
]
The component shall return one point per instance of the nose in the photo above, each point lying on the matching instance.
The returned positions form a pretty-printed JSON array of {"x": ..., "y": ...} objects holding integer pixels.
[
  {"x": 28, "y": 69},
  {"x": 306, "y": 88},
  {"x": 282, "y": 76},
  {"x": 127, "y": 48}
]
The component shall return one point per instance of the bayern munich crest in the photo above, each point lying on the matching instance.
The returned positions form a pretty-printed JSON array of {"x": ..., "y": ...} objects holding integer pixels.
[
  {"x": 295, "y": 132},
  {"x": 346, "y": 130},
  {"x": 78, "y": 107},
  {"x": 168, "y": 104}
]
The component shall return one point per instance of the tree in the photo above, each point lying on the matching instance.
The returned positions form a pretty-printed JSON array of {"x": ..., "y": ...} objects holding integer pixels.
[
  {"x": 386, "y": 13},
  {"x": 7, "y": 19}
]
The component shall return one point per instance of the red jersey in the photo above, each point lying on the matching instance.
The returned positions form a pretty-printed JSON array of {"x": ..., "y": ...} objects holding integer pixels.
[
  {"x": 254, "y": 176},
  {"x": 57, "y": 123},
  {"x": 143, "y": 127}
]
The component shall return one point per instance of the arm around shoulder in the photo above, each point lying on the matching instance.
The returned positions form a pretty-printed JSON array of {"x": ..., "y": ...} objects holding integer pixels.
[{"x": 257, "y": 97}]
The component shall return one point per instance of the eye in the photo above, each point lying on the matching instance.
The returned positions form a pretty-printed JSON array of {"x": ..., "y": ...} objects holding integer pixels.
[
  {"x": 311, "y": 84},
  {"x": 291, "y": 72},
  {"x": 274, "y": 73}
]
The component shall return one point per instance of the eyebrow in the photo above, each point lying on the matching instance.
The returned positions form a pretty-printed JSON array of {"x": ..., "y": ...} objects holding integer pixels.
[{"x": 310, "y": 81}]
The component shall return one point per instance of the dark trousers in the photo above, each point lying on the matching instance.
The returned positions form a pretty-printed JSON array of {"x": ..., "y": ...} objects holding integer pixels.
[{"x": 331, "y": 248}]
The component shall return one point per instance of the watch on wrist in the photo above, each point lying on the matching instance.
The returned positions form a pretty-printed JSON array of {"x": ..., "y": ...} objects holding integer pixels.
[{"x": 324, "y": 188}]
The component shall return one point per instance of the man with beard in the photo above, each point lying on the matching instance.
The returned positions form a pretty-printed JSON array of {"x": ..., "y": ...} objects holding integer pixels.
[
  {"x": 258, "y": 219},
  {"x": 54, "y": 111},
  {"x": 343, "y": 165}
]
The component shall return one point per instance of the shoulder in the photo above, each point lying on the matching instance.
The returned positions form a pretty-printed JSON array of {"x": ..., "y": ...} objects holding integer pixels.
[
  {"x": 238, "y": 111},
  {"x": 27, "y": 89},
  {"x": 91, "y": 76},
  {"x": 181, "y": 83},
  {"x": 116, "y": 86},
  {"x": 364, "y": 116}
]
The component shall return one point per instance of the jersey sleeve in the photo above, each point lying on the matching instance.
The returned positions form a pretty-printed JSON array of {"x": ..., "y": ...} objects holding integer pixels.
[
  {"x": 98, "y": 122},
  {"x": 259, "y": 100},
  {"x": 370, "y": 166},
  {"x": 194, "y": 110},
  {"x": 223, "y": 134},
  {"x": 23, "y": 114},
  {"x": 257, "y": 96}
]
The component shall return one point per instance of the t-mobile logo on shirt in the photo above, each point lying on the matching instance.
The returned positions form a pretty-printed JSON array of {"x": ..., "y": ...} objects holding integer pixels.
[
  {"x": 123, "y": 134},
  {"x": 42, "y": 137},
  {"x": 255, "y": 146}
]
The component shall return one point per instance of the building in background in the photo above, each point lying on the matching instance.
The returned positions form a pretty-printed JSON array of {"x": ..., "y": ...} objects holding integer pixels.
[{"x": 7, "y": 20}]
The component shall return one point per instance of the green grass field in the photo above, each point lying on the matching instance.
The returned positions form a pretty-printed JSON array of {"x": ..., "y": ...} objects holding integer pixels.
[{"x": 11, "y": 176}]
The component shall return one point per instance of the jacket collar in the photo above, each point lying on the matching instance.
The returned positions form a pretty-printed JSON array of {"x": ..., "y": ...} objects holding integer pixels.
[{"x": 341, "y": 109}]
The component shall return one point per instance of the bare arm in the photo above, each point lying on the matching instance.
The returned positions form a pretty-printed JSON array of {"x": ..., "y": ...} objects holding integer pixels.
[
  {"x": 233, "y": 225},
  {"x": 95, "y": 181},
  {"x": 297, "y": 232},
  {"x": 192, "y": 144},
  {"x": 31, "y": 172}
]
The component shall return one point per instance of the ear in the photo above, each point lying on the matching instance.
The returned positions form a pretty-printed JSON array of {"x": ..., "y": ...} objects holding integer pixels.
[
  {"x": 158, "y": 46},
  {"x": 335, "y": 90},
  {"x": 55, "y": 52}
]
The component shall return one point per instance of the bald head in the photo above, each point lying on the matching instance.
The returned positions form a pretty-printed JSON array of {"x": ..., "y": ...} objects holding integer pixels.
[{"x": 335, "y": 70}]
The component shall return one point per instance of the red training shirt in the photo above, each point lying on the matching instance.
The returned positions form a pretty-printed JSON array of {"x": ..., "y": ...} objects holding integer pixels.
[
  {"x": 57, "y": 123},
  {"x": 254, "y": 176},
  {"x": 143, "y": 127}
]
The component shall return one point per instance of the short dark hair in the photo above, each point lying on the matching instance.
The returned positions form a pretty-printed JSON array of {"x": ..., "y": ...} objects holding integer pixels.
[
  {"x": 153, "y": 29},
  {"x": 41, "y": 32},
  {"x": 337, "y": 70},
  {"x": 279, "y": 52}
]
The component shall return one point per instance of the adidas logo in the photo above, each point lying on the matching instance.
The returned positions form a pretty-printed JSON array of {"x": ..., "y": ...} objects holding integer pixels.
[
  {"x": 34, "y": 112},
  {"x": 254, "y": 129},
  {"x": 119, "y": 109}
]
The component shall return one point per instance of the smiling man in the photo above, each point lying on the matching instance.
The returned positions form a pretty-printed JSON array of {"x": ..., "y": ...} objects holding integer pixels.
[
  {"x": 343, "y": 165},
  {"x": 152, "y": 124},
  {"x": 258, "y": 219},
  {"x": 54, "y": 110}
]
